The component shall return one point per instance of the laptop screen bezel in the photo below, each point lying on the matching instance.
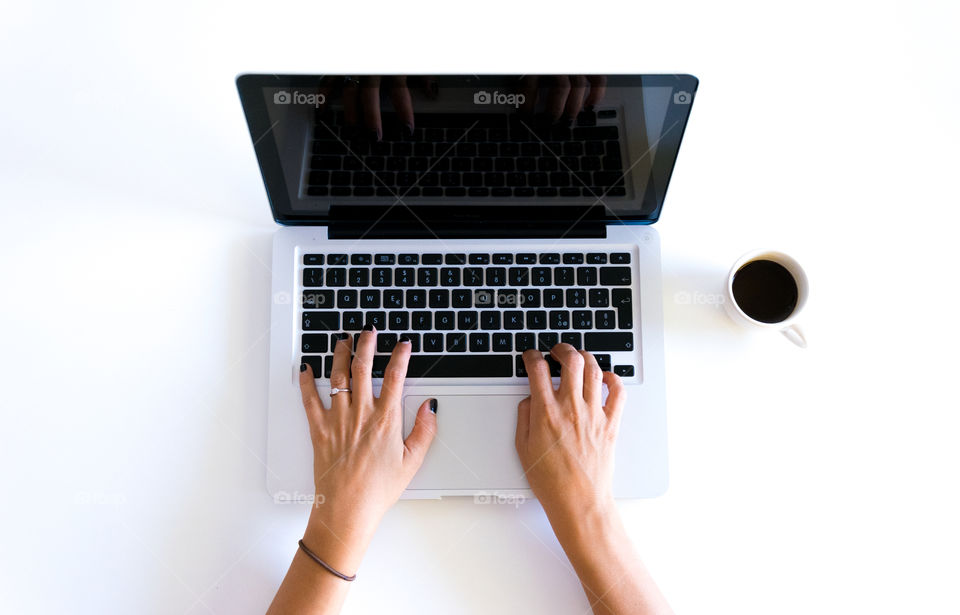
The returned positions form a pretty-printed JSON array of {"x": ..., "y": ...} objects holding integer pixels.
[{"x": 251, "y": 86}]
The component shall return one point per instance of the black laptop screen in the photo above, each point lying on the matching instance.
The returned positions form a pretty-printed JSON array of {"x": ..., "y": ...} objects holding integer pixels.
[{"x": 550, "y": 144}]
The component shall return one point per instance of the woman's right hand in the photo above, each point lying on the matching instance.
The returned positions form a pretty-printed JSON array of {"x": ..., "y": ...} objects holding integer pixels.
[{"x": 566, "y": 437}]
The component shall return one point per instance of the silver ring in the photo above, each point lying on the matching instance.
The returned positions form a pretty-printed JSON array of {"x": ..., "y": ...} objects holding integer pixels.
[{"x": 335, "y": 390}]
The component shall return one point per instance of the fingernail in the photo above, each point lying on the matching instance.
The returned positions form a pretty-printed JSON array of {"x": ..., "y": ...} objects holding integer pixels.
[
  {"x": 374, "y": 135},
  {"x": 408, "y": 132},
  {"x": 404, "y": 339},
  {"x": 368, "y": 327},
  {"x": 433, "y": 405},
  {"x": 303, "y": 367}
]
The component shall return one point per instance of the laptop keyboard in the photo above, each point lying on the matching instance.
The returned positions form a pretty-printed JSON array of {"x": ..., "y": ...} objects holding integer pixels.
[
  {"x": 476, "y": 155},
  {"x": 470, "y": 314}
]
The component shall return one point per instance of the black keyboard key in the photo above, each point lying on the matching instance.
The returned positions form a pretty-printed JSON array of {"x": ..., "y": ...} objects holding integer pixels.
[
  {"x": 586, "y": 276},
  {"x": 313, "y": 259},
  {"x": 416, "y": 298},
  {"x": 408, "y": 259},
  {"x": 623, "y": 302},
  {"x": 479, "y": 342},
  {"x": 317, "y": 342},
  {"x": 574, "y": 339},
  {"x": 615, "y": 276},
  {"x": 513, "y": 320},
  {"x": 359, "y": 277},
  {"x": 461, "y": 298},
  {"x": 456, "y": 366},
  {"x": 530, "y": 298},
  {"x": 525, "y": 341},
  {"x": 369, "y": 298},
  {"x": 496, "y": 276},
  {"x": 393, "y": 299},
  {"x": 553, "y": 365},
  {"x": 540, "y": 276},
  {"x": 431, "y": 259},
  {"x": 550, "y": 258},
  {"x": 317, "y": 299},
  {"x": 398, "y": 321},
  {"x": 603, "y": 360},
  {"x": 502, "y": 342},
  {"x": 432, "y": 342},
  {"x": 572, "y": 259},
  {"x": 450, "y": 276},
  {"x": 503, "y": 259},
  {"x": 519, "y": 276},
  {"x": 563, "y": 276},
  {"x": 439, "y": 298},
  {"x": 582, "y": 319},
  {"x": 456, "y": 342},
  {"x": 537, "y": 319},
  {"x": 526, "y": 259},
  {"x": 337, "y": 259},
  {"x": 472, "y": 276},
  {"x": 382, "y": 276},
  {"x": 546, "y": 341},
  {"x": 444, "y": 320},
  {"x": 467, "y": 320},
  {"x": 552, "y": 297},
  {"x": 316, "y": 363},
  {"x": 521, "y": 367},
  {"x": 421, "y": 320},
  {"x": 576, "y": 297},
  {"x": 320, "y": 321},
  {"x": 455, "y": 259},
  {"x": 624, "y": 371},
  {"x": 377, "y": 320},
  {"x": 616, "y": 341},
  {"x": 404, "y": 276},
  {"x": 427, "y": 276},
  {"x": 606, "y": 319},
  {"x": 384, "y": 259},
  {"x": 347, "y": 299},
  {"x": 312, "y": 276},
  {"x": 337, "y": 277},
  {"x": 479, "y": 259},
  {"x": 352, "y": 321},
  {"x": 508, "y": 298},
  {"x": 600, "y": 297},
  {"x": 490, "y": 320},
  {"x": 386, "y": 342},
  {"x": 620, "y": 258},
  {"x": 360, "y": 259},
  {"x": 484, "y": 297},
  {"x": 559, "y": 319},
  {"x": 414, "y": 341},
  {"x": 597, "y": 258}
]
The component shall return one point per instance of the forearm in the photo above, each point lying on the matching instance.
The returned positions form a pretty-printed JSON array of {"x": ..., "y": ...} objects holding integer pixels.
[
  {"x": 613, "y": 577},
  {"x": 310, "y": 589}
]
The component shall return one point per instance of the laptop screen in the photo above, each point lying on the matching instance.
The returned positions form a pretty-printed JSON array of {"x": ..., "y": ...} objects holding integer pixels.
[{"x": 548, "y": 144}]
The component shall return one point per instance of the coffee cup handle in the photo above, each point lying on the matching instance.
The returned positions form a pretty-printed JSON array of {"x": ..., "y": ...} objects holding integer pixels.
[{"x": 795, "y": 335}]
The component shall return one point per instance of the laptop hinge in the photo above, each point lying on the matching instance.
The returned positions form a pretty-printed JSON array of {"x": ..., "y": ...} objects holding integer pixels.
[{"x": 466, "y": 222}]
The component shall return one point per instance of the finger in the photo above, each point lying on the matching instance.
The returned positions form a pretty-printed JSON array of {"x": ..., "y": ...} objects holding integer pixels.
[
  {"x": 578, "y": 90},
  {"x": 370, "y": 107},
  {"x": 340, "y": 373},
  {"x": 361, "y": 369},
  {"x": 400, "y": 97},
  {"x": 528, "y": 87},
  {"x": 431, "y": 87},
  {"x": 538, "y": 372},
  {"x": 557, "y": 97},
  {"x": 523, "y": 423},
  {"x": 592, "y": 381},
  {"x": 571, "y": 369},
  {"x": 598, "y": 89},
  {"x": 395, "y": 373},
  {"x": 615, "y": 397},
  {"x": 421, "y": 437},
  {"x": 311, "y": 399}
]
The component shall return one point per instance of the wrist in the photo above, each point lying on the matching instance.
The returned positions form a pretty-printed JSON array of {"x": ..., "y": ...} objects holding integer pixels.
[
  {"x": 340, "y": 541},
  {"x": 584, "y": 522}
]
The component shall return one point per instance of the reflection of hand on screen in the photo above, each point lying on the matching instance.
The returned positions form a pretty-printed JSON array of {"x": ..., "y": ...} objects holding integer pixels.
[
  {"x": 361, "y": 101},
  {"x": 566, "y": 95}
]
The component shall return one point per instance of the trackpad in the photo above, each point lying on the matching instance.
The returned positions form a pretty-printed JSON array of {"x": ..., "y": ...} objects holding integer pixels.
[{"x": 474, "y": 446}]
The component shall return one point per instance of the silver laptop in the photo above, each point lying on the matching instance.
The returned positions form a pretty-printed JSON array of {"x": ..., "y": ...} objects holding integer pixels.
[{"x": 480, "y": 216}]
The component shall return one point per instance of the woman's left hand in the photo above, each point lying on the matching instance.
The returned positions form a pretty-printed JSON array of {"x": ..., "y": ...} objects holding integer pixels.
[{"x": 361, "y": 463}]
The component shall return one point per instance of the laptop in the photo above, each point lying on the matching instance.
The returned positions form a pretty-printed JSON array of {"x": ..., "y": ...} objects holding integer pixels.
[{"x": 480, "y": 216}]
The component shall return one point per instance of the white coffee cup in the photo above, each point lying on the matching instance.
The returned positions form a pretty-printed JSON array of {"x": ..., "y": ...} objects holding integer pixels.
[{"x": 788, "y": 326}]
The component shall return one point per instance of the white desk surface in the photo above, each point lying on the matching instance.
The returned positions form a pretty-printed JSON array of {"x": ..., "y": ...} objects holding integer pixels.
[{"x": 134, "y": 271}]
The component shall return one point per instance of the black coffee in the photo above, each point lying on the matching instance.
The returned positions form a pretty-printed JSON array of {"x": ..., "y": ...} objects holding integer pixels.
[{"x": 765, "y": 291}]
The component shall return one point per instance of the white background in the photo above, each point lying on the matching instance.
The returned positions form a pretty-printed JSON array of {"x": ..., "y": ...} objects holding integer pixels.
[{"x": 134, "y": 269}]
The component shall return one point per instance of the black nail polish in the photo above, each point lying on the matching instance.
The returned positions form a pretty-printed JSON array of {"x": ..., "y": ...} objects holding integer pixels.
[
  {"x": 303, "y": 367},
  {"x": 404, "y": 339},
  {"x": 433, "y": 405},
  {"x": 368, "y": 327}
]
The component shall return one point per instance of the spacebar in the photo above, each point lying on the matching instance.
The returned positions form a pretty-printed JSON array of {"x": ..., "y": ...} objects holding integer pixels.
[{"x": 452, "y": 366}]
